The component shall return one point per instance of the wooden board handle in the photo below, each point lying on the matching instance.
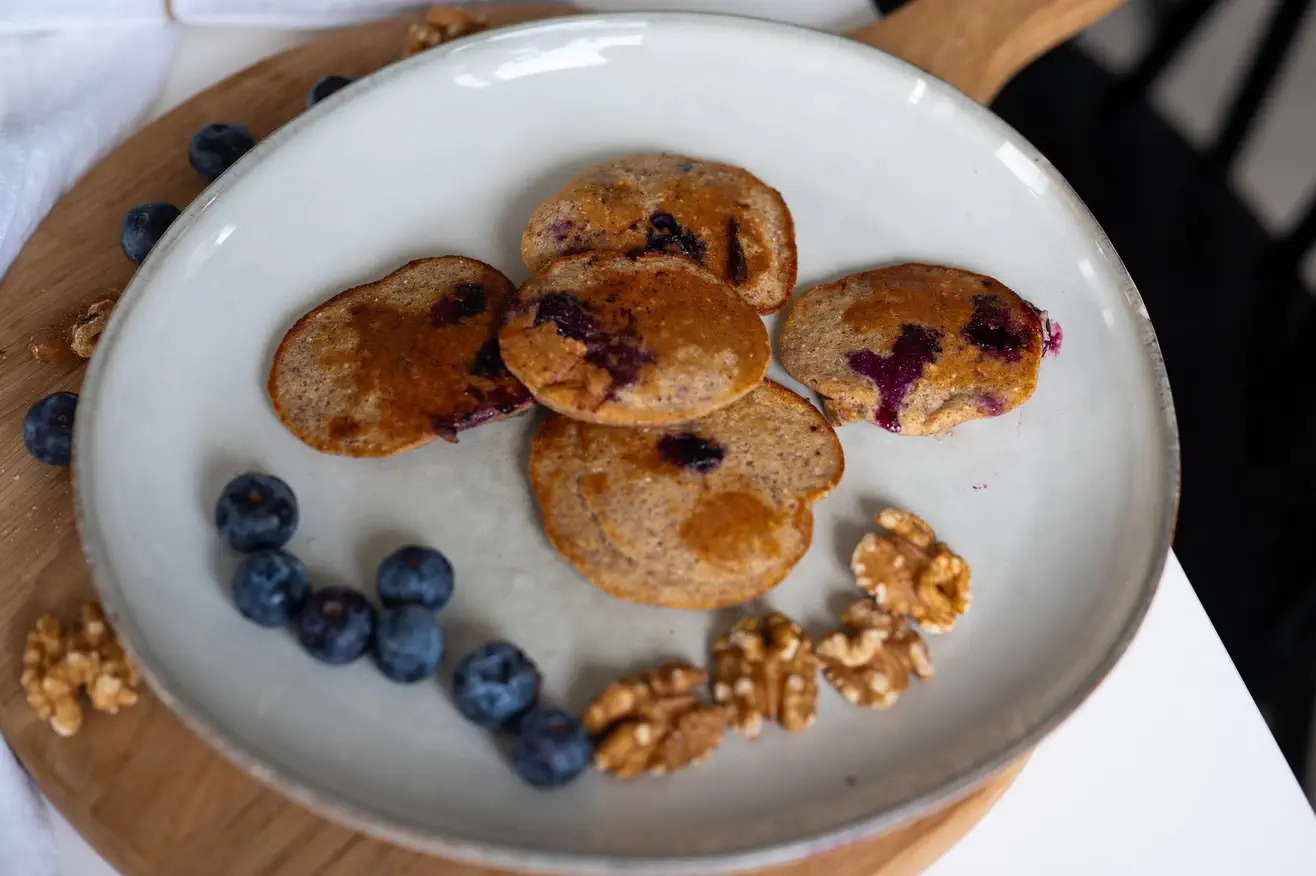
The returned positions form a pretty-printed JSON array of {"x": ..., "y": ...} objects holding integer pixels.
[
  {"x": 979, "y": 45},
  {"x": 975, "y": 45}
]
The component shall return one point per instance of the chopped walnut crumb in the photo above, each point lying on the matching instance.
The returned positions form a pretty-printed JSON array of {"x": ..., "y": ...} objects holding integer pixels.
[
  {"x": 654, "y": 722},
  {"x": 50, "y": 349},
  {"x": 75, "y": 334},
  {"x": 909, "y": 572},
  {"x": 442, "y": 23},
  {"x": 88, "y": 327},
  {"x": 766, "y": 670},
  {"x": 58, "y": 663},
  {"x": 870, "y": 661}
]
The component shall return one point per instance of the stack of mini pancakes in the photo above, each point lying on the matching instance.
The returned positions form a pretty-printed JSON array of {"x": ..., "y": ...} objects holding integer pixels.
[{"x": 668, "y": 469}]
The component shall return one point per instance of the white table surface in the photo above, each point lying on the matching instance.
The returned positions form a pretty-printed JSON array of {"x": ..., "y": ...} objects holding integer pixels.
[{"x": 1168, "y": 770}]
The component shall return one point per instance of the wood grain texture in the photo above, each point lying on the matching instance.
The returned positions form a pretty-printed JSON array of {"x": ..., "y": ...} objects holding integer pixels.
[
  {"x": 144, "y": 791},
  {"x": 979, "y": 45}
]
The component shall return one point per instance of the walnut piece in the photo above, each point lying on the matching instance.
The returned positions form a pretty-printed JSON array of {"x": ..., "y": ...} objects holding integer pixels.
[
  {"x": 88, "y": 326},
  {"x": 442, "y": 23},
  {"x": 58, "y": 663},
  {"x": 51, "y": 349},
  {"x": 910, "y": 573},
  {"x": 869, "y": 663},
  {"x": 766, "y": 670},
  {"x": 654, "y": 722}
]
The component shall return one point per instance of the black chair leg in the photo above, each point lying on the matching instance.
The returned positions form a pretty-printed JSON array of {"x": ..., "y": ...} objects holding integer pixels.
[
  {"x": 1179, "y": 24},
  {"x": 1285, "y": 25}
]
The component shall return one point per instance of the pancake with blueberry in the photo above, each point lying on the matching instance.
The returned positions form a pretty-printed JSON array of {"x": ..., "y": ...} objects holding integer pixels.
[
  {"x": 916, "y": 349},
  {"x": 709, "y": 513},
  {"x": 721, "y": 216},
  {"x": 394, "y": 364},
  {"x": 640, "y": 340}
]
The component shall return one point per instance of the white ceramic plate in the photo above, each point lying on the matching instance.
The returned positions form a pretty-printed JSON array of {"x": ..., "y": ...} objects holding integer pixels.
[{"x": 1064, "y": 508}]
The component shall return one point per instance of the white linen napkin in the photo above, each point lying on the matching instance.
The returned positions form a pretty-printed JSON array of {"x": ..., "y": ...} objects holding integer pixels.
[
  {"x": 27, "y": 845},
  {"x": 65, "y": 97},
  {"x": 76, "y": 77}
]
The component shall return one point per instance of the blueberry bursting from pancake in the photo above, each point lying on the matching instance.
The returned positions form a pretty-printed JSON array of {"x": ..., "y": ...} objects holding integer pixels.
[
  {"x": 633, "y": 340},
  {"x": 393, "y": 364},
  {"x": 722, "y": 217},
  {"x": 916, "y": 349}
]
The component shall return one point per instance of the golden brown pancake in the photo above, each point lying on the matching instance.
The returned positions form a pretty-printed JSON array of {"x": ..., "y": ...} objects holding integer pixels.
[
  {"x": 724, "y": 217},
  {"x": 393, "y": 364},
  {"x": 917, "y": 349},
  {"x": 709, "y": 513},
  {"x": 633, "y": 340}
]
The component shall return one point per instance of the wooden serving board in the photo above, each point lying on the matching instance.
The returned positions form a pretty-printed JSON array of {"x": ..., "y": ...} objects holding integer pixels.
[{"x": 149, "y": 795}]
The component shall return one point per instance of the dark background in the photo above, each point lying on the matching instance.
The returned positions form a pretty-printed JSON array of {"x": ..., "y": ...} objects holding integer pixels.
[{"x": 1234, "y": 320}]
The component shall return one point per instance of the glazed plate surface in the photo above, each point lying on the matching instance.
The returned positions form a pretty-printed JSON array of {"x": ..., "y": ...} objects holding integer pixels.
[{"x": 1063, "y": 508}]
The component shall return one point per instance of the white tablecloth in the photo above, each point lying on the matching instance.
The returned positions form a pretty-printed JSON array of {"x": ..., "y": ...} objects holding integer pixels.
[{"x": 1168, "y": 770}]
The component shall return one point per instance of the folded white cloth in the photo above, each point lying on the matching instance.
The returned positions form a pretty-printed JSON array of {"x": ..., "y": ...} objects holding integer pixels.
[
  {"x": 65, "y": 97},
  {"x": 26, "y": 16},
  {"x": 27, "y": 846},
  {"x": 23, "y": 16},
  {"x": 76, "y": 76}
]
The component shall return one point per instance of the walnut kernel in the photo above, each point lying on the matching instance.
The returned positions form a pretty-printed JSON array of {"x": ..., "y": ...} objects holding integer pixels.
[
  {"x": 870, "y": 661},
  {"x": 442, "y": 23},
  {"x": 766, "y": 670},
  {"x": 51, "y": 349},
  {"x": 58, "y": 663},
  {"x": 89, "y": 325},
  {"x": 654, "y": 722},
  {"x": 909, "y": 572}
]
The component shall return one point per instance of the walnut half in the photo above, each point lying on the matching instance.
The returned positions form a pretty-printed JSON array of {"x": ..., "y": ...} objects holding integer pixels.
[
  {"x": 765, "y": 669},
  {"x": 89, "y": 325},
  {"x": 654, "y": 722},
  {"x": 909, "y": 572},
  {"x": 57, "y": 663},
  {"x": 442, "y": 23},
  {"x": 870, "y": 662}
]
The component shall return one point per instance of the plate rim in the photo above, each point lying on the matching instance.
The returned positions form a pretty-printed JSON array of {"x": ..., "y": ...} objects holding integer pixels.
[{"x": 509, "y": 854}]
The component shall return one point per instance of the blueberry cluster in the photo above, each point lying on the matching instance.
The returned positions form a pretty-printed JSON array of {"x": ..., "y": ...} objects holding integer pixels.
[
  {"x": 211, "y": 151},
  {"x": 495, "y": 686},
  {"x": 257, "y": 515}
]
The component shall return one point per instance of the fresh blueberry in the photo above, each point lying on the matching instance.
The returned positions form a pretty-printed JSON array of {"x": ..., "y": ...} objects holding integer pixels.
[
  {"x": 336, "y": 625},
  {"x": 143, "y": 226},
  {"x": 325, "y": 87},
  {"x": 408, "y": 644},
  {"x": 494, "y": 684},
  {"x": 550, "y": 748},
  {"x": 48, "y": 428},
  {"x": 415, "y": 576},
  {"x": 215, "y": 148},
  {"x": 271, "y": 587},
  {"x": 256, "y": 511}
]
